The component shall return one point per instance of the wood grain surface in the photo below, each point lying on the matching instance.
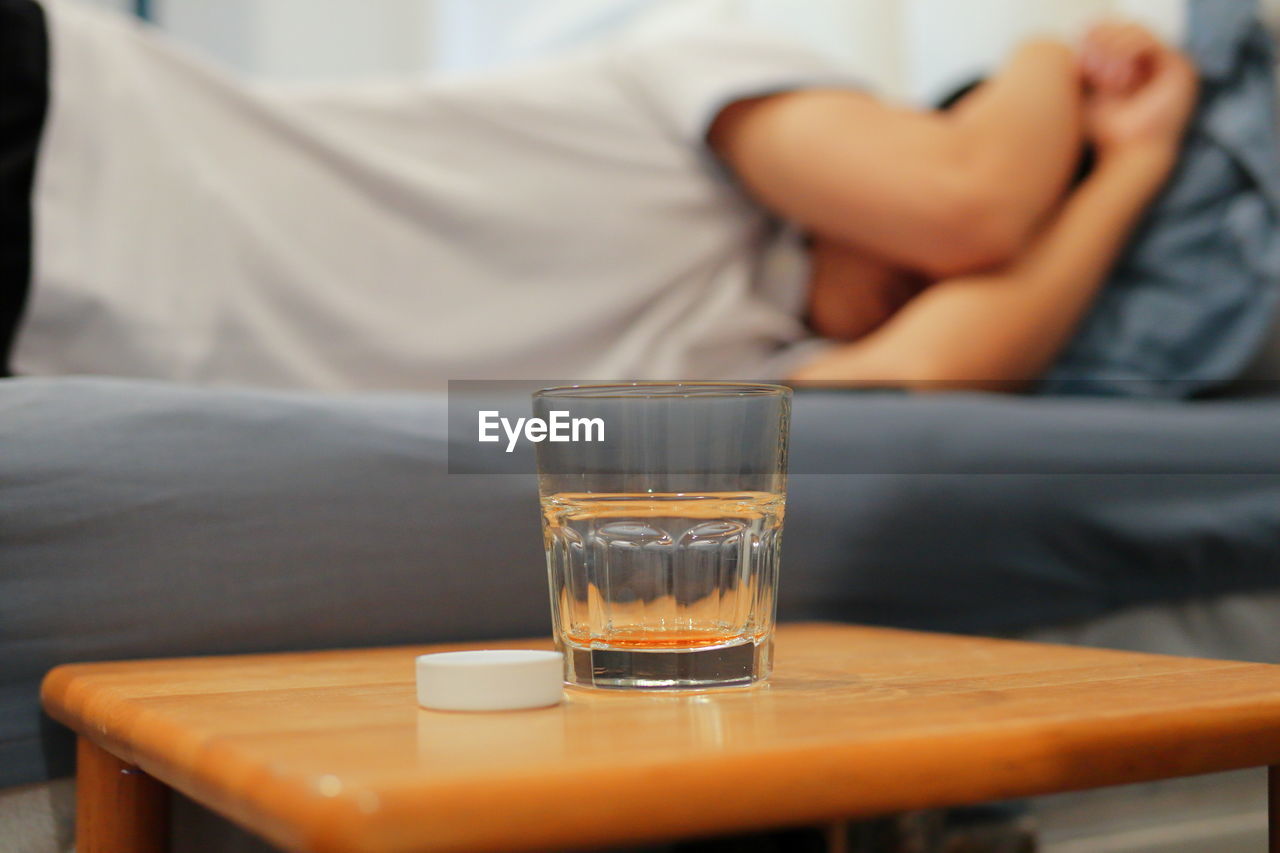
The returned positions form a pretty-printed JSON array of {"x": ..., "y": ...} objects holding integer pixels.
[{"x": 328, "y": 751}]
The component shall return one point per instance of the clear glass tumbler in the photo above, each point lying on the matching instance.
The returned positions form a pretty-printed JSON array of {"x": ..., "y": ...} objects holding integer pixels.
[{"x": 663, "y": 530}]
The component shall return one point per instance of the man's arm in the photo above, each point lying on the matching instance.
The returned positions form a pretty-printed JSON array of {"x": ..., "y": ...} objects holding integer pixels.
[
  {"x": 943, "y": 193},
  {"x": 995, "y": 331}
]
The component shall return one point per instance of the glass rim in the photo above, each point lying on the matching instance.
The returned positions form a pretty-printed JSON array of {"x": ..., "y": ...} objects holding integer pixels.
[{"x": 664, "y": 390}]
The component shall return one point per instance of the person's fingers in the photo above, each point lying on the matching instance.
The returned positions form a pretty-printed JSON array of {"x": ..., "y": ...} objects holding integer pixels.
[
  {"x": 1124, "y": 36},
  {"x": 1174, "y": 71},
  {"x": 1116, "y": 68},
  {"x": 1097, "y": 63},
  {"x": 1110, "y": 73},
  {"x": 1128, "y": 62},
  {"x": 1104, "y": 69},
  {"x": 1117, "y": 56}
]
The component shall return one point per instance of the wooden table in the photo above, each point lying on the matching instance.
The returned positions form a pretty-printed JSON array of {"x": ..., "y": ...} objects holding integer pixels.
[{"x": 328, "y": 751}]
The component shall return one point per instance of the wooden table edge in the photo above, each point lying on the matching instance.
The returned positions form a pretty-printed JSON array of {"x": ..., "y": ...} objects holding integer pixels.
[{"x": 344, "y": 825}]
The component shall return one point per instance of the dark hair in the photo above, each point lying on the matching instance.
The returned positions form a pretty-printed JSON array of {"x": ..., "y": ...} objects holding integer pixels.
[{"x": 960, "y": 94}]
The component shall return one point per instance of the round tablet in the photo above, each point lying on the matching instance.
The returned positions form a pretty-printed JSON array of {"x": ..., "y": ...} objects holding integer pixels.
[{"x": 490, "y": 680}]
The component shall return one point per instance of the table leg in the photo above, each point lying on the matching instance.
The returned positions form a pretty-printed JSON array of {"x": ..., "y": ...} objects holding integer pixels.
[
  {"x": 836, "y": 836},
  {"x": 1273, "y": 809},
  {"x": 118, "y": 807}
]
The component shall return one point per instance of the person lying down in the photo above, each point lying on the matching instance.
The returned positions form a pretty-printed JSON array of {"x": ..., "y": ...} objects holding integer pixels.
[{"x": 607, "y": 216}]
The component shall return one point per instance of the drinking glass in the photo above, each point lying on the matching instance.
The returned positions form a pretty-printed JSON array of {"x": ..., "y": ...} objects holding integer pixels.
[{"x": 662, "y": 522}]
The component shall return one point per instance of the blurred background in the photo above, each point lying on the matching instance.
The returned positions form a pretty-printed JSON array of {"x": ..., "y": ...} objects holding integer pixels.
[{"x": 902, "y": 47}]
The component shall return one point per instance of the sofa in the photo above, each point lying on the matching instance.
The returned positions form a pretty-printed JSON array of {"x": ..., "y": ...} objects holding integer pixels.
[{"x": 143, "y": 519}]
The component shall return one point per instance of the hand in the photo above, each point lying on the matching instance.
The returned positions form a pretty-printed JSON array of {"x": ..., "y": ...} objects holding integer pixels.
[{"x": 1139, "y": 91}]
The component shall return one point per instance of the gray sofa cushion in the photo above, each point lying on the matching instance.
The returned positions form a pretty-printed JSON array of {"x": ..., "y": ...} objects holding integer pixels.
[{"x": 142, "y": 519}]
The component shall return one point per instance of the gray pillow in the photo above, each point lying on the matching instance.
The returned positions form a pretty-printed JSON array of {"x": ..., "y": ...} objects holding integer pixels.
[
  {"x": 1265, "y": 369},
  {"x": 1192, "y": 299}
]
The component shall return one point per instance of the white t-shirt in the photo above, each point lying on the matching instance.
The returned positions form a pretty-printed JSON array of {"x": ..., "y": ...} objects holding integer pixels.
[{"x": 558, "y": 222}]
